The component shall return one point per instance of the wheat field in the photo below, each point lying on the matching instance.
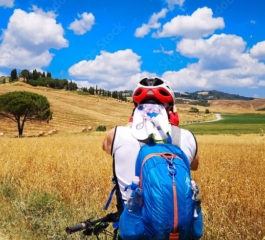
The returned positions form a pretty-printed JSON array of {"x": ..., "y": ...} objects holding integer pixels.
[{"x": 50, "y": 183}]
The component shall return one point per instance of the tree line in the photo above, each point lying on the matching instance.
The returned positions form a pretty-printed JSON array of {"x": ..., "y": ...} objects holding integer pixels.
[
  {"x": 36, "y": 78},
  {"x": 105, "y": 93},
  {"x": 44, "y": 79}
]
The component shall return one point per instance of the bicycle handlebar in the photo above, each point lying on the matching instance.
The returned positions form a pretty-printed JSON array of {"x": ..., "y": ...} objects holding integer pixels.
[
  {"x": 95, "y": 227},
  {"x": 76, "y": 228}
]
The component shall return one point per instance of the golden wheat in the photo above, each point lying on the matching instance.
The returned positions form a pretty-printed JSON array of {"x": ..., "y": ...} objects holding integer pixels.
[{"x": 230, "y": 178}]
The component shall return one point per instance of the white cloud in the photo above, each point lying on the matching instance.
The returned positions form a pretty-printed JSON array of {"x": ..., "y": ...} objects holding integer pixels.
[
  {"x": 258, "y": 50},
  {"x": 222, "y": 61},
  {"x": 172, "y": 3},
  {"x": 83, "y": 25},
  {"x": 162, "y": 50},
  {"x": 28, "y": 38},
  {"x": 129, "y": 83},
  {"x": 218, "y": 52},
  {"x": 261, "y": 83},
  {"x": 152, "y": 24},
  {"x": 39, "y": 11},
  {"x": 113, "y": 68},
  {"x": 7, "y": 3},
  {"x": 3, "y": 74},
  {"x": 199, "y": 24},
  {"x": 195, "y": 77},
  {"x": 38, "y": 70}
]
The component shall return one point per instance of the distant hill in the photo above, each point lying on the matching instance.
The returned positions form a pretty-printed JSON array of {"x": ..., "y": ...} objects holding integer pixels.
[
  {"x": 198, "y": 95},
  {"x": 203, "y": 95},
  {"x": 211, "y": 95}
]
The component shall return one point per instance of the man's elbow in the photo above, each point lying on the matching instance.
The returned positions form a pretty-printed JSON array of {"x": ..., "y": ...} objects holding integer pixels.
[
  {"x": 194, "y": 164},
  {"x": 194, "y": 168}
]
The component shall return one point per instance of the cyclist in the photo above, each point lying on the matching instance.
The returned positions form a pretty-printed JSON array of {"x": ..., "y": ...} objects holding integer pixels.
[{"x": 154, "y": 96}]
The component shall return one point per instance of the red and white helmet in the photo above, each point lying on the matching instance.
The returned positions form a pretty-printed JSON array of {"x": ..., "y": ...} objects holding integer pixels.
[{"x": 154, "y": 88}]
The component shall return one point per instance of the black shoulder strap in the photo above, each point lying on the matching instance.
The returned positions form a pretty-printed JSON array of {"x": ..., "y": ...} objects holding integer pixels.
[{"x": 119, "y": 204}]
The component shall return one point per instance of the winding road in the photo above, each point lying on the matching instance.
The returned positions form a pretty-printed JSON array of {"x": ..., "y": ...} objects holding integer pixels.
[{"x": 218, "y": 117}]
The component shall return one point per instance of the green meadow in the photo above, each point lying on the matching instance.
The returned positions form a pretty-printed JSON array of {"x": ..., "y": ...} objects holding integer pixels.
[{"x": 231, "y": 124}]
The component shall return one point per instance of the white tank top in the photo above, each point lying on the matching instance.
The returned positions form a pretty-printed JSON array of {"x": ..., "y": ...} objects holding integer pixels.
[{"x": 125, "y": 150}]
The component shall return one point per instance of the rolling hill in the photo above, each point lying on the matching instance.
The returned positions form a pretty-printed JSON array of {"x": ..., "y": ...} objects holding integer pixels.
[{"x": 72, "y": 112}]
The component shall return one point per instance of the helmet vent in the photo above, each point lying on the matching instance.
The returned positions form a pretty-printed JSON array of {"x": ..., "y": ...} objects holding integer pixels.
[
  {"x": 150, "y": 92},
  {"x": 151, "y": 82},
  {"x": 164, "y": 93},
  {"x": 137, "y": 93}
]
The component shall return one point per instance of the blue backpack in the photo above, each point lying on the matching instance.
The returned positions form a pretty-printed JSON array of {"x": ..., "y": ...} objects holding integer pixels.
[{"x": 167, "y": 209}]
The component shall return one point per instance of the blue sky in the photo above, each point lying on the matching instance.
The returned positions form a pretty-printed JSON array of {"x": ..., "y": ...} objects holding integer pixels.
[{"x": 193, "y": 44}]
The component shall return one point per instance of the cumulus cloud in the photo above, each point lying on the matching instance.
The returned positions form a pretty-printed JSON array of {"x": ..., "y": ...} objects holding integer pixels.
[
  {"x": 152, "y": 24},
  {"x": 28, "y": 38},
  {"x": 200, "y": 24},
  {"x": 7, "y": 3},
  {"x": 132, "y": 81},
  {"x": 193, "y": 76},
  {"x": 218, "y": 52},
  {"x": 258, "y": 50},
  {"x": 112, "y": 68},
  {"x": 83, "y": 25},
  {"x": 222, "y": 61}
]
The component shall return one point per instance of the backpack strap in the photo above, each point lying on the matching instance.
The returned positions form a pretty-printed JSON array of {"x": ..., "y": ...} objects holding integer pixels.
[{"x": 176, "y": 135}]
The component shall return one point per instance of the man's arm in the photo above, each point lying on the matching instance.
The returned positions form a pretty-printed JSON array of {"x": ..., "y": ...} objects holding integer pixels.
[
  {"x": 107, "y": 142},
  {"x": 195, "y": 163}
]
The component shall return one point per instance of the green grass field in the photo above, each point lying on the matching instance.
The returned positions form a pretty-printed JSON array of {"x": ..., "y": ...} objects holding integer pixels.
[{"x": 231, "y": 124}]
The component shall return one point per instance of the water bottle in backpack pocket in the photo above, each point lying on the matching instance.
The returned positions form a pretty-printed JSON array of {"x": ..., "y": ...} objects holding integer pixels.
[
  {"x": 133, "y": 196},
  {"x": 197, "y": 229},
  {"x": 131, "y": 223}
]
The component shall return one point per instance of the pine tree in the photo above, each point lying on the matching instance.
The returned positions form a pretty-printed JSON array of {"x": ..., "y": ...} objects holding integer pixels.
[{"x": 13, "y": 75}]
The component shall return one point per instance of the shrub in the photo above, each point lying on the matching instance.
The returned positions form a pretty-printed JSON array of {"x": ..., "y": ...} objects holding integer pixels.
[
  {"x": 194, "y": 109},
  {"x": 101, "y": 128}
]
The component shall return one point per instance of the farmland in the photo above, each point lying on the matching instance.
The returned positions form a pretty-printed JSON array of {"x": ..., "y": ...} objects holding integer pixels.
[
  {"x": 50, "y": 182},
  {"x": 245, "y": 123}
]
